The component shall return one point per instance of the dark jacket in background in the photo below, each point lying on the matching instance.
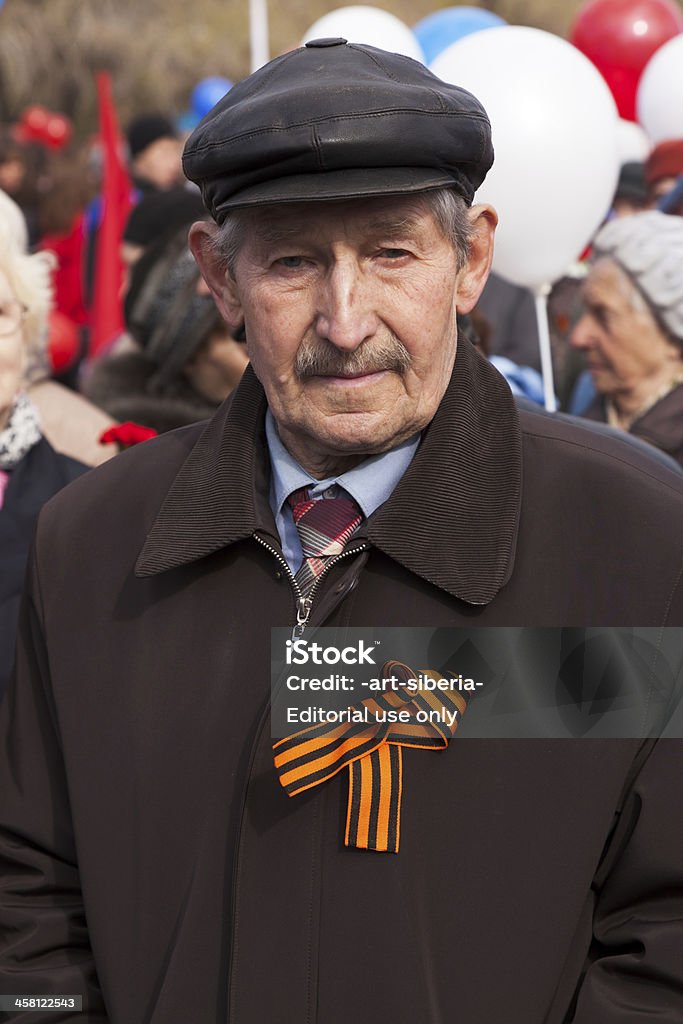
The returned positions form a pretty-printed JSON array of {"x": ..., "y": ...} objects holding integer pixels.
[
  {"x": 40, "y": 474},
  {"x": 124, "y": 386},
  {"x": 661, "y": 426},
  {"x": 511, "y": 314},
  {"x": 151, "y": 860}
]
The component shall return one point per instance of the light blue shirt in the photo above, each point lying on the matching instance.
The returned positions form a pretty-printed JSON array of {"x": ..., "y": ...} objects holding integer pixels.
[{"x": 369, "y": 483}]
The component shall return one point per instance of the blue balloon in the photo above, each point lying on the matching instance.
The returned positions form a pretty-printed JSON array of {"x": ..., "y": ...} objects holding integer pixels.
[
  {"x": 187, "y": 121},
  {"x": 207, "y": 93},
  {"x": 438, "y": 30}
]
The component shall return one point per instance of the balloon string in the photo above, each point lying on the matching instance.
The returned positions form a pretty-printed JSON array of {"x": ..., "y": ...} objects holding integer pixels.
[
  {"x": 258, "y": 33},
  {"x": 541, "y": 299}
]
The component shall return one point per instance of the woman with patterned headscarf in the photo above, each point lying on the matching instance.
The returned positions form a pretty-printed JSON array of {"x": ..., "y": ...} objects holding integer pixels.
[{"x": 631, "y": 328}]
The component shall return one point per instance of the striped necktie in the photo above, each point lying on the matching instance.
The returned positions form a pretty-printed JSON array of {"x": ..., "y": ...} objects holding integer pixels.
[{"x": 324, "y": 526}]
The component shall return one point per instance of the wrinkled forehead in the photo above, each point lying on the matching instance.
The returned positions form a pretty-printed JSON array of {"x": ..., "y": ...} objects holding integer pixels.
[
  {"x": 387, "y": 215},
  {"x": 610, "y": 285},
  {"x": 607, "y": 277}
]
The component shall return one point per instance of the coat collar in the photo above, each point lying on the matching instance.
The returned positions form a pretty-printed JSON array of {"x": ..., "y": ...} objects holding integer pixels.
[{"x": 452, "y": 519}]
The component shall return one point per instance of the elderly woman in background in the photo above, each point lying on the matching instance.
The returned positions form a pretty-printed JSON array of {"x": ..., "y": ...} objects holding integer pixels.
[
  {"x": 631, "y": 329},
  {"x": 30, "y": 470},
  {"x": 71, "y": 424}
]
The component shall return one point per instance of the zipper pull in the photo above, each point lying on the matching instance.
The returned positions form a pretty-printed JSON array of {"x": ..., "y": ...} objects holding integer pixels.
[{"x": 303, "y": 610}]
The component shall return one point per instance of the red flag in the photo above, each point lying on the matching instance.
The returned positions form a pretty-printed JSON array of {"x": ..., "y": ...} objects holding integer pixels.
[{"x": 107, "y": 313}]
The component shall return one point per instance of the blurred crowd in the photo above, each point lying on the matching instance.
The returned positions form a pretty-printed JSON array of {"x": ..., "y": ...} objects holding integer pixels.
[
  {"x": 172, "y": 362},
  {"x": 615, "y": 317}
]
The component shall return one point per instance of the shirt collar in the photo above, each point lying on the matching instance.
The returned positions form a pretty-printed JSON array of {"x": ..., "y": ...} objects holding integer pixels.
[
  {"x": 364, "y": 483},
  {"x": 452, "y": 519}
]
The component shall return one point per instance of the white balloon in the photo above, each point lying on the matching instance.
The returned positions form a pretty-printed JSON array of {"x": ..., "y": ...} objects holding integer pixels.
[
  {"x": 659, "y": 98},
  {"x": 361, "y": 24},
  {"x": 632, "y": 142},
  {"x": 554, "y": 125}
]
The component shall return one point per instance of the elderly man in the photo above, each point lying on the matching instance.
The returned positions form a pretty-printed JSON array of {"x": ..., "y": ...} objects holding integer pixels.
[
  {"x": 631, "y": 329},
  {"x": 152, "y": 862}
]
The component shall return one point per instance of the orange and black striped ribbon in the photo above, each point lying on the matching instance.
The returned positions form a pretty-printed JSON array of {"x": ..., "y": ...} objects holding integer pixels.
[{"x": 372, "y": 751}]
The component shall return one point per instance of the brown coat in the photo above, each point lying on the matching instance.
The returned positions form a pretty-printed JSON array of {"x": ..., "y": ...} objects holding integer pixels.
[
  {"x": 661, "y": 425},
  {"x": 138, "y": 790}
]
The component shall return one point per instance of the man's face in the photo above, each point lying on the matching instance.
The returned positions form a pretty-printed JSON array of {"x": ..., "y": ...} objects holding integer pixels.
[
  {"x": 621, "y": 340},
  {"x": 215, "y": 370},
  {"x": 160, "y": 163},
  {"x": 350, "y": 317}
]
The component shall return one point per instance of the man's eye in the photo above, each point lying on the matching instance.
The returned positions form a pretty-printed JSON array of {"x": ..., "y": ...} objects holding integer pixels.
[
  {"x": 394, "y": 254},
  {"x": 292, "y": 262}
]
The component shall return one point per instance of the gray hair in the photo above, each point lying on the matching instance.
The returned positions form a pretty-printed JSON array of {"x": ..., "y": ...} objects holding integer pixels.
[
  {"x": 648, "y": 247},
  {"x": 450, "y": 211}
]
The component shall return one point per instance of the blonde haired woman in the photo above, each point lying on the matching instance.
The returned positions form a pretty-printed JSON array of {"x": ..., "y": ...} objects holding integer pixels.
[
  {"x": 30, "y": 470},
  {"x": 70, "y": 422}
]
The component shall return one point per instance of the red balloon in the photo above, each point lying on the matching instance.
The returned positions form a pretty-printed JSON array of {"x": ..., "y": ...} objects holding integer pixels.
[
  {"x": 63, "y": 342},
  {"x": 620, "y": 37},
  {"x": 33, "y": 123},
  {"x": 58, "y": 131},
  {"x": 38, "y": 124}
]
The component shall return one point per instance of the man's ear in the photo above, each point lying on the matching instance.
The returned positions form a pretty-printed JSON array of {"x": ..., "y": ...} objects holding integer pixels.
[
  {"x": 220, "y": 282},
  {"x": 472, "y": 277}
]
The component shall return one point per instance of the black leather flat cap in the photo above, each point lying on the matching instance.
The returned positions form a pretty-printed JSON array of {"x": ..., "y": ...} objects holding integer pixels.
[{"x": 334, "y": 120}]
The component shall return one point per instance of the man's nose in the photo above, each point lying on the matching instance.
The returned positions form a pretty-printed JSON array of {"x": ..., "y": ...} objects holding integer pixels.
[{"x": 346, "y": 316}]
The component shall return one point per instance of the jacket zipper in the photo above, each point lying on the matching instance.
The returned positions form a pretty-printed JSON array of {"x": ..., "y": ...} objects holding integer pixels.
[
  {"x": 303, "y": 611},
  {"x": 304, "y": 604}
]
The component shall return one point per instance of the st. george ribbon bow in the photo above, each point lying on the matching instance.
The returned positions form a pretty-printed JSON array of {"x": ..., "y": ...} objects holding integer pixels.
[{"x": 372, "y": 750}]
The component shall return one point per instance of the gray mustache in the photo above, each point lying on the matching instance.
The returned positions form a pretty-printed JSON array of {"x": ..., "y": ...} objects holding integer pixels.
[{"x": 318, "y": 358}]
